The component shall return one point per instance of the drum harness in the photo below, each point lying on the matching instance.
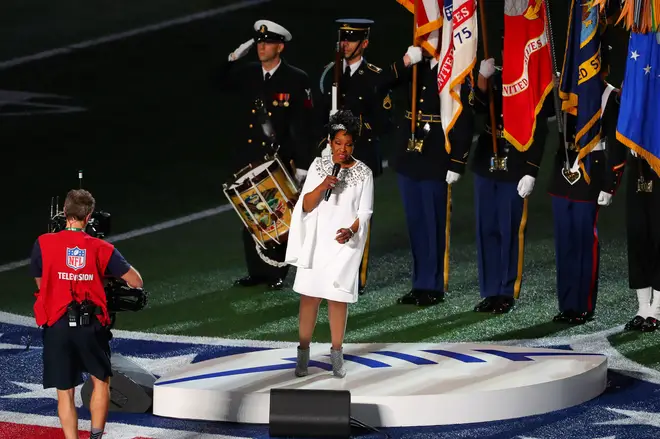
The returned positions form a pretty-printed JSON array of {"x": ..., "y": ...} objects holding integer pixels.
[{"x": 269, "y": 132}]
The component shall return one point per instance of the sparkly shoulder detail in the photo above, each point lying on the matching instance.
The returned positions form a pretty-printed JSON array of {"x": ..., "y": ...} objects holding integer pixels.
[{"x": 348, "y": 177}]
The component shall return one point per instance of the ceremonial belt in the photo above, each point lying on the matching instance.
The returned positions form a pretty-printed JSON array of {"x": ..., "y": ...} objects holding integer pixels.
[
  {"x": 498, "y": 133},
  {"x": 432, "y": 118},
  {"x": 600, "y": 146}
]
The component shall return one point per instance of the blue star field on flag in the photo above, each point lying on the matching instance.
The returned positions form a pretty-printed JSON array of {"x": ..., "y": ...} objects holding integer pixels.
[{"x": 639, "y": 119}]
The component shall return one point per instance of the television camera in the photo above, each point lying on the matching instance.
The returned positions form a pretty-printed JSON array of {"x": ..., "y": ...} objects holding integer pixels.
[{"x": 120, "y": 296}]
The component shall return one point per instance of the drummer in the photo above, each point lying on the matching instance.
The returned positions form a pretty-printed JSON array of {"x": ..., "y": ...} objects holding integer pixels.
[{"x": 286, "y": 93}]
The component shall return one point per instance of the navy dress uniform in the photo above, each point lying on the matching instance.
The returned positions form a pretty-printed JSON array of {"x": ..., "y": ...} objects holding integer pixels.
[
  {"x": 577, "y": 195},
  {"x": 361, "y": 93},
  {"x": 423, "y": 178},
  {"x": 501, "y": 188},
  {"x": 643, "y": 233},
  {"x": 286, "y": 93}
]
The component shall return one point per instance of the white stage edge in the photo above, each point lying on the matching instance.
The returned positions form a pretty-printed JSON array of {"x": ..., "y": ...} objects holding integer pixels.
[{"x": 391, "y": 385}]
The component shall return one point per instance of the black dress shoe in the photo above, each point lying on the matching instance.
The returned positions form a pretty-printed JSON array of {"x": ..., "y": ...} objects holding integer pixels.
[
  {"x": 635, "y": 324},
  {"x": 361, "y": 290},
  {"x": 249, "y": 281},
  {"x": 503, "y": 305},
  {"x": 486, "y": 305},
  {"x": 577, "y": 318},
  {"x": 562, "y": 317},
  {"x": 650, "y": 324},
  {"x": 408, "y": 299},
  {"x": 430, "y": 298},
  {"x": 276, "y": 284}
]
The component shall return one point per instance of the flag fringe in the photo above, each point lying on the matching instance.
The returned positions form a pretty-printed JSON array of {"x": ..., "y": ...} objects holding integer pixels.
[
  {"x": 649, "y": 16},
  {"x": 652, "y": 160},
  {"x": 409, "y": 5},
  {"x": 512, "y": 140},
  {"x": 455, "y": 93}
]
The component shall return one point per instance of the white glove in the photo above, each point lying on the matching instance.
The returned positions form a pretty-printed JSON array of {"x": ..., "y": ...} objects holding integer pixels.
[
  {"x": 241, "y": 50},
  {"x": 604, "y": 199},
  {"x": 634, "y": 154},
  {"x": 487, "y": 68},
  {"x": 452, "y": 177},
  {"x": 526, "y": 186},
  {"x": 414, "y": 53}
]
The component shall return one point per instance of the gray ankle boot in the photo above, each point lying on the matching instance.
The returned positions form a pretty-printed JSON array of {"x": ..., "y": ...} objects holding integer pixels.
[
  {"x": 337, "y": 358},
  {"x": 301, "y": 362}
]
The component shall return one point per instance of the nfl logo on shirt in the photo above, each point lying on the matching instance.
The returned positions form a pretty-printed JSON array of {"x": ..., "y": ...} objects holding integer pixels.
[{"x": 76, "y": 257}]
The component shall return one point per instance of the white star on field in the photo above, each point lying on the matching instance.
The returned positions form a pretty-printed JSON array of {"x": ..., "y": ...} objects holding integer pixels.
[
  {"x": 634, "y": 55},
  {"x": 634, "y": 418},
  {"x": 13, "y": 346},
  {"x": 647, "y": 70},
  {"x": 162, "y": 366},
  {"x": 37, "y": 391}
]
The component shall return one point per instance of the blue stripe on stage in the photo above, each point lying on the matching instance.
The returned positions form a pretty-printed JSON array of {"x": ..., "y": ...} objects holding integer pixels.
[
  {"x": 456, "y": 356},
  {"x": 406, "y": 357},
  {"x": 246, "y": 371},
  {"x": 525, "y": 356},
  {"x": 365, "y": 361}
]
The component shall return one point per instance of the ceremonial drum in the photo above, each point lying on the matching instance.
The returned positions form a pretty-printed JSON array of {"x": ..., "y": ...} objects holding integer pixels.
[{"x": 263, "y": 195}]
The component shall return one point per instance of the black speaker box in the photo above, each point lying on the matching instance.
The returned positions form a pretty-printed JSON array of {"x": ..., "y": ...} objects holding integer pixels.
[
  {"x": 131, "y": 387},
  {"x": 310, "y": 413}
]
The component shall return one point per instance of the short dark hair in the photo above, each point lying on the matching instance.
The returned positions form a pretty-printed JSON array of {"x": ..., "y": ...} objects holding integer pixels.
[
  {"x": 79, "y": 204},
  {"x": 343, "y": 121}
]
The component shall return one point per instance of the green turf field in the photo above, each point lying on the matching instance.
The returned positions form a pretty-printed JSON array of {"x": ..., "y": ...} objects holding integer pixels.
[{"x": 153, "y": 140}]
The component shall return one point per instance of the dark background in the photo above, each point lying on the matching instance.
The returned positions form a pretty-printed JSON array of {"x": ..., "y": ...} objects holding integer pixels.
[{"x": 156, "y": 133}]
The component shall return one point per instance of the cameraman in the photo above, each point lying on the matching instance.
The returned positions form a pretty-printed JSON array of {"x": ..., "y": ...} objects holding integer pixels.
[{"x": 69, "y": 267}]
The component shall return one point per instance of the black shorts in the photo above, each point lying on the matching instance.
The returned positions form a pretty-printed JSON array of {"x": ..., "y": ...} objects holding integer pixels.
[{"x": 68, "y": 352}]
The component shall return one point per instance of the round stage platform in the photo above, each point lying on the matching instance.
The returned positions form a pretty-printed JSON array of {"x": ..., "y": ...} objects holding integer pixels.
[{"x": 391, "y": 385}]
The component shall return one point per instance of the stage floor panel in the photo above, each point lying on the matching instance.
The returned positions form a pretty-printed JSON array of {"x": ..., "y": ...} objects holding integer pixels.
[{"x": 391, "y": 385}]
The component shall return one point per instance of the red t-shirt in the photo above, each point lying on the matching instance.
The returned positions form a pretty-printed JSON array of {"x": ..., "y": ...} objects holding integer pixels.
[{"x": 73, "y": 267}]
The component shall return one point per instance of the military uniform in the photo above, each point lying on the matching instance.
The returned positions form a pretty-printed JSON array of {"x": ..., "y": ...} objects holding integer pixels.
[
  {"x": 500, "y": 211},
  {"x": 360, "y": 92},
  {"x": 575, "y": 209},
  {"x": 643, "y": 233},
  {"x": 286, "y": 94},
  {"x": 422, "y": 180}
]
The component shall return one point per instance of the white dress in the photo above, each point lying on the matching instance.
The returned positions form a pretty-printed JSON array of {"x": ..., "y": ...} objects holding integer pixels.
[{"x": 326, "y": 268}]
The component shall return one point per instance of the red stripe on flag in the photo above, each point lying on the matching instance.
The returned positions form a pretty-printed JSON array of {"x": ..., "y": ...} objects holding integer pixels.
[
  {"x": 463, "y": 13},
  {"x": 422, "y": 18}
]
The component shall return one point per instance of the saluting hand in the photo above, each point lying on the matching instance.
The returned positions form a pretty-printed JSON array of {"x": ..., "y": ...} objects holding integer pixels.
[{"x": 241, "y": 50}]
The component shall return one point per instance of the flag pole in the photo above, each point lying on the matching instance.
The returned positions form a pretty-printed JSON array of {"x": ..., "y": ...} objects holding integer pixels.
[
  {"x": 555, "y": 67},
  {"x": 337, "y": 74},
  {"x": 555, "y": 76},
  {"x": 491, "y": 99},
  {"x": 413, "y": 104}
]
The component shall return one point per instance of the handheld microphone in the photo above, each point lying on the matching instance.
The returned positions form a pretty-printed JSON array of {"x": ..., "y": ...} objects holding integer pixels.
[{"x": 335, "y": 171}]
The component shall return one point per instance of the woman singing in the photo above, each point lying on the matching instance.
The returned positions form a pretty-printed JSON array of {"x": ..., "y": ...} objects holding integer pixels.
[{"x": 327, "y": 238}]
